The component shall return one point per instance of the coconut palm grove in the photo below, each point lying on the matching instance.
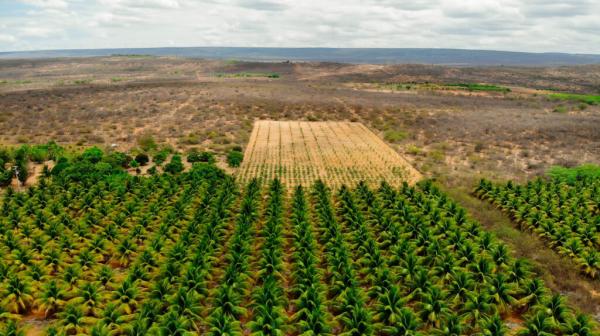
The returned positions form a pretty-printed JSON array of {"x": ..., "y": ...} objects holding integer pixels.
[{"x": 91, "y": 249}]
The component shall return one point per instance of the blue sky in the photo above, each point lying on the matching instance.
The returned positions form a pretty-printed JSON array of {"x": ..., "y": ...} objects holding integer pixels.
[{"x": 518, "y": 25}]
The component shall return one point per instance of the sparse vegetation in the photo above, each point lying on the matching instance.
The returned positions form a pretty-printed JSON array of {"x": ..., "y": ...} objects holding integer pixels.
[
  {"x": 588, "y": 99},
  {"x": 248, "y": 75}
]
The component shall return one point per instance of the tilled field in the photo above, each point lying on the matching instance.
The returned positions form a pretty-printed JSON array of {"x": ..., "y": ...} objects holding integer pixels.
[{"x": 299, "y": 153}]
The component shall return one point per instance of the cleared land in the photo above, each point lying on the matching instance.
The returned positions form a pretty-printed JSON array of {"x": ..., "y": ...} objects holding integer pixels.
[{"x": 301, "y": 152}]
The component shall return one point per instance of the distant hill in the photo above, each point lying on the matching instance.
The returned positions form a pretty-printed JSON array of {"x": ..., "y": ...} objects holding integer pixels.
[{"x": 458, "y": 57}]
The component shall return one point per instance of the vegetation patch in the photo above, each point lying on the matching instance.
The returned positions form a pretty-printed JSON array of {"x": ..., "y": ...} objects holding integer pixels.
[
  {"x": 563, "y": 210},
  {"x": 584, "y": 98},
  {"x": 248, "y": 75}
]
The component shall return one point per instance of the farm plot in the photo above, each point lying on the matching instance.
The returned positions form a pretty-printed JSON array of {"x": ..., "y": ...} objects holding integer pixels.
[
  {"x": 564, "y": 213},
  {"x": 299, "y": 153}
]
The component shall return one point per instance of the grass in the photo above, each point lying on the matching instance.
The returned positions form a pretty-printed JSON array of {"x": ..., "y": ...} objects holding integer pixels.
[
  {"x": 559, "y": 274},
  {"x": 22, "y": 81},
  {"x": 588, "y": 99},
  {"x": 248, "y": 75},
  {"x": 395, "y": 135},
  {"x": 480, "y": 87},
  {"x": 460, "y": 86}
]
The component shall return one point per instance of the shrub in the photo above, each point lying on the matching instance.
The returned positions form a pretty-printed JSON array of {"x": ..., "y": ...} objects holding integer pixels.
[
  {"x": 23, "y": 173},
  {"x": 175, "y": 166},
  {"x": 234, "y": 158},
  {"x": 134, "y": 164},
  {"x": 195, "y": 156},
  {"x": 146, "y": 142},
  {"x": 395, "y": 136},
  {"x": 152, "y": 170},
  {"x": 118, "y": 159},
  {"x": 92, "y": 155},
  {"x": 142, "y": 159},
  {"x": 160, "y": 157}
]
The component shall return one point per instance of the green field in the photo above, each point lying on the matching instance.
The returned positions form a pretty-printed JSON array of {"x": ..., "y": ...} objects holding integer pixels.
[
  {"x": 583, "y": 98},
  {"x": 563, "y": 210},
  {"x": 248, "y": 75},
  {"x": 94, "y": 250}
]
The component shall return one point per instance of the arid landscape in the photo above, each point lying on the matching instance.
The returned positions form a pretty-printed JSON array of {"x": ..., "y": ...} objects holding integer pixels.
[
  {"x": 162, "y": 197},
  {"x": 187, "y": 103}
]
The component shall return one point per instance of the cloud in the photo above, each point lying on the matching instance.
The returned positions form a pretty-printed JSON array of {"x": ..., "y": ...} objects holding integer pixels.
[
  {"x": 5, "y": 38},
  {"x": 519, "y": 25},
  {"x": 262, "y": 5},
  {"x": 58, "y": 4}
]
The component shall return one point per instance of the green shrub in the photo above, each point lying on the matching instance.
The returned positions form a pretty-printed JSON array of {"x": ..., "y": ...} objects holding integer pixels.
[
  {"x": 142, "y": 159},
  {"x": 560, "y": 109},
  {"x": 160, "y": 157},
  {"x": 195, "y": 156},
  {"x": 576, "y": 173},
  {"x": 175, "y": 166},
  {"x": 394, "y": 135},
  {"x": 234, "y": 158},
  {"x": 92, "y": 155},
  {"x": 118, "y": 159},
  {"x": 147, "y": 142}
]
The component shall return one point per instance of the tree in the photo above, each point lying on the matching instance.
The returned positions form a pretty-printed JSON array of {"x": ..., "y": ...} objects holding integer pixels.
[
  {"x": 92, "y": 155},
  {"x": 175, "y": 166},
  {"x": 142, "y": 159},
  {"x": 234, "y": 158}
]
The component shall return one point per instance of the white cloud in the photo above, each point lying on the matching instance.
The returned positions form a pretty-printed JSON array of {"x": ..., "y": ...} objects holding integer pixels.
[{"x": 525, "y": 25}]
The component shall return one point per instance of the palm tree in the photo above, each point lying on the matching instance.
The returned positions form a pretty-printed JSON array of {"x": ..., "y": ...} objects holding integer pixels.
[
  {"x": 407, "y": 324},
  {"x": 173, "y": 324},
  {"x": 12, "y": 329},
  {"x": 357, "y": 322},
  {"x": 492, "y": 326},
  {"x": 451, "y": 326},
  {"x": 501, "y": 292},
  {"x": 555, "y": 309},
  {"x": 52, "y": 298},
  {"x": 72, "y": 319},
  {"x": 537, "y": 325},
  {"x": 578, "y": 326},
  {"x": 389, "y": 306},
  {"x": 433, "y": 306},
  {"x": 17, "y": 295},
  {"x": 478, "y": 306},
  {"x": 223, "y": 325}
]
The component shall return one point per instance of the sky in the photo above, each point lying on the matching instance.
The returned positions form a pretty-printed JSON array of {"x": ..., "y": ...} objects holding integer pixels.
[{"x": 571, "y": 26}]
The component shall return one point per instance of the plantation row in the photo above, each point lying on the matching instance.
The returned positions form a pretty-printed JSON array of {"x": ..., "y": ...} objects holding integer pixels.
[
  {"x": 565, "y": 213},
  {"x": 192, "y": 253}
]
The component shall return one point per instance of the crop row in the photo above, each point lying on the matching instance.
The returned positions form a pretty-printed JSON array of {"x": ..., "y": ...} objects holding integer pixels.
[
  {"x": 189, "y": 254},
  {"x": 565, "y": 214}
]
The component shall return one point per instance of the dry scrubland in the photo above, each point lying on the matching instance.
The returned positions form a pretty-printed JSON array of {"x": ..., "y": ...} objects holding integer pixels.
[
  {"x": 185, "y": 103},
  {"x": 300, "y": 153}
]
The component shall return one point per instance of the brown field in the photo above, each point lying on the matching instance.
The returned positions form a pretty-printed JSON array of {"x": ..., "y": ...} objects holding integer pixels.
[{"x": 300, "y": 152}]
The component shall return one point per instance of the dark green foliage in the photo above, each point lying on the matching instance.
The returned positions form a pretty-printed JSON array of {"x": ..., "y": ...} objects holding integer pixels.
[
  {"x": 480, "y": 87},
  {"x": 195, "y": 156},
  {"x": 92, "y": 155},
  {"x": 118, "y": 159},
  {"x": 160, "y": 157},
  {"x": 142, "y": 159},
  {"x": 234, "y": 158},
  {"x": 175, "y": 166}
]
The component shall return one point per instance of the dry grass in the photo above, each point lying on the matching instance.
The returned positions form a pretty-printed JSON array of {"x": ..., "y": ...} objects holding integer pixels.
[{"x": 301, "y": 152}]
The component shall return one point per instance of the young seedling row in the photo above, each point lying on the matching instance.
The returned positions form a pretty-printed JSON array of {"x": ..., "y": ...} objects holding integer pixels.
[{"x": 300, "y": 153}]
